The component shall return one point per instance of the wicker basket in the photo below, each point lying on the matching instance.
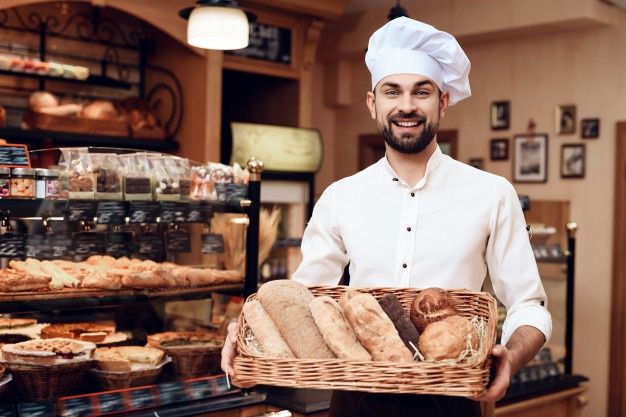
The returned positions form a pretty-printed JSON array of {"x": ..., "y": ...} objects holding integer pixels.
[
  {"x": 75, "y": 124},
  {"x": 120, "y": 380},
  {"x": 47, "y": 382},
  {"x": 196, "y": 360},
  {"x": 466, "y": 378}
]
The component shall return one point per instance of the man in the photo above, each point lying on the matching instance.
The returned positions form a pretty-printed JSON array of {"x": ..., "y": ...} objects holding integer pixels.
[{"x": 418, "y": 218}]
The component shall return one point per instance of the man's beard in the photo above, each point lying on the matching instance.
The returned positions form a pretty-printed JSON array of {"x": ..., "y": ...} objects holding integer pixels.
[{"x": 408, "y": 143}]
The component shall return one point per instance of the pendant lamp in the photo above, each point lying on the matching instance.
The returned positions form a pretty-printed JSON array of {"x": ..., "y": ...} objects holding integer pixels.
[{"x": 217, "y": 24}]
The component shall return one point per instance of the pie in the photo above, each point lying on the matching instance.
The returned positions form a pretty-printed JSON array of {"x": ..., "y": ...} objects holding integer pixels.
[
  {"x": 7, "y": 323},
  {"x": 49, "y": 351},
  {"x": 176, "y": 339},
  {"x": 90, "y": 332},
  {"x": 127, "y": 358}
]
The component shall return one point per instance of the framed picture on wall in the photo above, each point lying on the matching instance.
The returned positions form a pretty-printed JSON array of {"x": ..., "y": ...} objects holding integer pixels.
[
  {"x": 530, "y": 158},
  {"x": 500, "y": 115},
  {"x": 565, "y": 119},
  {"x": 499, "y": 149},
  {"x": 573, "y": 161},
  {"x": 590, "y": 128}
]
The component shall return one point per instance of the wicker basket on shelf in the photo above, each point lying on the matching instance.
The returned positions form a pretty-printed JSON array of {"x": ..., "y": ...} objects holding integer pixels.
[
  {"x": 47, "y": 382},
  {"x": 193, "y": 359},
  {"x": 75, "y": 124},
  {"x": 119, "y": 380},
  {"x": 464, "y": 378}
]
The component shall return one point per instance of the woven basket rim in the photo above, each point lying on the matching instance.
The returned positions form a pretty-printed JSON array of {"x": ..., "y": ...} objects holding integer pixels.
[
  {"x": 24, "y": 366},
  {"x": 137, "y": 372}
]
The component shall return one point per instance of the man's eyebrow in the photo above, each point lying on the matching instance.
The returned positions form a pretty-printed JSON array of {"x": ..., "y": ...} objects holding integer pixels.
[
  {"x": 390, "y": 84},
  {"x": 423, "y": 83}
]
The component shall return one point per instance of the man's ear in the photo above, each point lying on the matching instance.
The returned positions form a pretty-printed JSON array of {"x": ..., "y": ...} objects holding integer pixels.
[
  {"x": 444, "y": 102},
  {"x": 370, "y": 100}
]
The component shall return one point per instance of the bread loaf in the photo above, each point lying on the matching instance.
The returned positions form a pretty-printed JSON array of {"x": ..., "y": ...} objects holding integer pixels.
[
  {"x": 431, "y": 305},
  {"x": 347, "y": 294},
  {"x": 265, "y": 331},
  {"x": 399, "y": 316},
  {"x": 336, "y": 331},
  {"x": 375, "y": 330},
  {"x": 287, "y": 303},
  {"x": 447, "y": 338}
]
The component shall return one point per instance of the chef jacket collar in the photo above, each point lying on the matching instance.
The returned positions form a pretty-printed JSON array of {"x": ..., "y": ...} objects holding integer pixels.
[{"x": 433, "y": 162}]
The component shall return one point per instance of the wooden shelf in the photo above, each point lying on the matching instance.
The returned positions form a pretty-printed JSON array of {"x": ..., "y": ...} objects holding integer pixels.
[{"x": 93, "y": 80}]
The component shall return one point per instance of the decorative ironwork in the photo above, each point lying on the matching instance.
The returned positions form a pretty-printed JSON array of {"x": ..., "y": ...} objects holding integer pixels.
[
  {"x": 170, "y": 94},
  {"x": 112, "y": 55}
]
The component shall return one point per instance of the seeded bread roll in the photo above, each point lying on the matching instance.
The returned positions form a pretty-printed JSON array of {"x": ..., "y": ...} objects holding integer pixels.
[
  {"x": 265, "y": 331},
  {"x": 336, "y": 331},
  {"x": 431, "y": 305},
  {"x": 400, "y": 317},
  {"x": 447, "y": 338},
  {"x": 375, "y": 330},
  {"x": 287, "y": 303}
]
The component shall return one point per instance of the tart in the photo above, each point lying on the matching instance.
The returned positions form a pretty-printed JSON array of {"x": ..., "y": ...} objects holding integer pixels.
[
  {"x": 127, "y": 358},
  {"x": 49, "y": 351},
  {"x": 90, "y": 332}
]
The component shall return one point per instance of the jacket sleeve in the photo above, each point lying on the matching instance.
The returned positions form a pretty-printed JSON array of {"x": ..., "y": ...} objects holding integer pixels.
[
  {"x": 323, "y": 253},
  {"x": 512, "y": 267}
]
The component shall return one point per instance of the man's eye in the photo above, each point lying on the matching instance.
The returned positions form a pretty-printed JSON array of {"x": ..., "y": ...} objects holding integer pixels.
[
  {"x": 391, "y": 93},
  {"x": 422, "y": 93}
]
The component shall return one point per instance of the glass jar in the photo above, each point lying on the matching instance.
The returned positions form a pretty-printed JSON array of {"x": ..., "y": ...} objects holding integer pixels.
[
  {"x": 5, "y": 182},
  {"x": 23, "y": 183},
  {"x": 48, "y": 184}
]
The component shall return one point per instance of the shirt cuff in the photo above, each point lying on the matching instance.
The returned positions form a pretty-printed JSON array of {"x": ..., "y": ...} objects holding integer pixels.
[{"x": 527, "y": 314}]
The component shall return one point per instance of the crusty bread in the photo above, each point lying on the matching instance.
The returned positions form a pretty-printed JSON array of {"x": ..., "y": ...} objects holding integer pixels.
[
  {"x": 15, "y": 281},
  {"x": 127, "y": 358},
  {"x": 336, "y": 331},
  {"x": 375, "y": 330},
  {"x": 347, "y": 295},
  {"x": 399, "y": 316},
  {"x": 431, "y": 305},
  {"x": 447, "y": 338},
  {"x": 287, "y": 303},
  {"x": 265, "y": 331}
]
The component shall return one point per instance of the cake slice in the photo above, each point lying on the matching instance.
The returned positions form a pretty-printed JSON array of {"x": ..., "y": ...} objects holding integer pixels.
[{"x": 127, "y": 358}]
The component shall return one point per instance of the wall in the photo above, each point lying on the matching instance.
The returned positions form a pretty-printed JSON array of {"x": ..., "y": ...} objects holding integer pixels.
[{"x": 536, "y": 70}]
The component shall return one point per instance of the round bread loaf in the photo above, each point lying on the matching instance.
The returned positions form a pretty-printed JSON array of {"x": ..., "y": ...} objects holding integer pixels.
[
  {"x": 287, "y": 303},
  {"x": 431, "y": 305},
  {"x": 447, "y": 338}
]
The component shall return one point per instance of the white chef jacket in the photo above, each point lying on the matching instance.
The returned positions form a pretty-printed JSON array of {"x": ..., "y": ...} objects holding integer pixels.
[{"x": 450, "y": 229}]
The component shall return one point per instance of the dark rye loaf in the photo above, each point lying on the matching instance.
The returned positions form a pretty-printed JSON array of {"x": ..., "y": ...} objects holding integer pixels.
[{"x": 287, "y": 303}]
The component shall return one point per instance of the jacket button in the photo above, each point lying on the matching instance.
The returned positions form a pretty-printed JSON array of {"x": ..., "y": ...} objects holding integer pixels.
[
  {"x": 403, "y": 265},
  {"x": 408, "y": 229},
  {"x": 412, "y": 194},
  {"x": 395, "y": 179}
]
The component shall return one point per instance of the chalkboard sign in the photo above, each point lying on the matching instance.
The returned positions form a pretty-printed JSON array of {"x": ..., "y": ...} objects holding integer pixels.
[
  {"x": 143, "y": 211},
  {"x": 198, "y": 212},
  {"x": 14, "y": 155},
  {"x": 11, "y": 245},
  {"x": 173, "y": 212},
  {"x": 38, "y": 247},
  {"x": 38, "y": 409},
  {"x": 177, "y": 241},
  {"x": 77, "y": 407},
  {"x": 212, "y": 243},
  {"x": 89, "y": 243},
  {"x": 77, "y": 210},
  {"x": 61, "y": 246},
  {"x": 150, "y": 246},
  {"x": 111, "y": 212},
  {"x": 142, "y": 398},
  {"x": 267, "y": 43},
  {"x": 172, "y": 392},
  {"x": 110, "y": 402},
  {"x": 120, "y": 244}
]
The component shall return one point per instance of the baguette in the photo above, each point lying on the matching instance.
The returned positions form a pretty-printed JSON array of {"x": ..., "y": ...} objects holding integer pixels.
[{"x": 265, "y": 331}]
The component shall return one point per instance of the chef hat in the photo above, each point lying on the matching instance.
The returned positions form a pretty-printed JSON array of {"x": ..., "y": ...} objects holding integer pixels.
[{"x": 406, "y": 46}]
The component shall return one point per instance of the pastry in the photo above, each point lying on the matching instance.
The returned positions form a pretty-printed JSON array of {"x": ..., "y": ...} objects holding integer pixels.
[
  {"x": 7, "y": 323},
  {"x": 178, "y": 339},
  {"x": 447, "y": 338},
  {"x": 48, "y": 351},
  {"x": 265, "y": 331},
  {"x": 287, "y": 303},
  {"x": 15, "y": 281},
  {"x": 431, "y": 305},
  {"x": 127, "y": 358},
  {"x": 91, "y": 332},
  {"x": 336, "y": 331},
  {"x": 393, "y": 308},
  {"x": 375, "y": 330}
]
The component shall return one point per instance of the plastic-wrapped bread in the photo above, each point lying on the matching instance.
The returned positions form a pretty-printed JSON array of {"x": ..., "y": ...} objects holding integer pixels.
[
  {"x": 375, "y": 329},
  {"x": 400, "y": 317},
  {"x": 287, "y": 303},
  {"x": 265, "y": 331},
  {"x": 336, "y": 331}
]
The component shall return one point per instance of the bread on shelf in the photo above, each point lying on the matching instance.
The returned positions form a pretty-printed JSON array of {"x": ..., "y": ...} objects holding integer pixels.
[{"x": 127, "y": 358}]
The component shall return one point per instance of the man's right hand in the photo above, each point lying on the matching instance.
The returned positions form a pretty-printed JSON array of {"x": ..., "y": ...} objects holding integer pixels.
[{"x": 228, "y": 351}]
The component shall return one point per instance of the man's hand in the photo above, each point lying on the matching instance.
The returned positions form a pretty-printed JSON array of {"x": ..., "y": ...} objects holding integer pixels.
[
  {"x": 228, "y": 351},
  {"x": 500, "y": 383}
]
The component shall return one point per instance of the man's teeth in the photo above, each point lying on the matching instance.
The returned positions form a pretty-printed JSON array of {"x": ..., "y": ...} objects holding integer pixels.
[{"x": 406, "y": 124}]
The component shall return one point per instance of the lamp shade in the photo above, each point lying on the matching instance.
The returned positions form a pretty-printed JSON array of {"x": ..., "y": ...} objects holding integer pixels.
[{"x": 214, "y": 27}]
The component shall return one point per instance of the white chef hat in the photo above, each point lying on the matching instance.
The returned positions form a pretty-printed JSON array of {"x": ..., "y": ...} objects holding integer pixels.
[{"x": 406, "y": 46}]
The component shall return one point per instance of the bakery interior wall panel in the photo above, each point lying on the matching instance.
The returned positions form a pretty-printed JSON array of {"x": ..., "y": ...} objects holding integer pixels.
[{"x": 536, "y": 70}]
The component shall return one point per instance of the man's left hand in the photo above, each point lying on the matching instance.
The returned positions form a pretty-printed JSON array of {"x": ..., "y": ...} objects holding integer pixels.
[{"x": 500, "y": 383}]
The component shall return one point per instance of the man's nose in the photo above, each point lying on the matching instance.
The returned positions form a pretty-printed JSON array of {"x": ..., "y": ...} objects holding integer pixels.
[{"x": 407, "y": 103}]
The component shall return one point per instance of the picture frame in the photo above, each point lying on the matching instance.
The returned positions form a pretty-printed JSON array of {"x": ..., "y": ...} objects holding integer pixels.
[
  {"x": 530, "y": 158},
  {"x": 500, "y": 115},
  {"x": 499, "y": 149},
  {"x": 573, "y": 160},
  {"x": 478, "y": 163},
  {"x": 565, "y": 119},
  {"x": 590, "y": 128}
]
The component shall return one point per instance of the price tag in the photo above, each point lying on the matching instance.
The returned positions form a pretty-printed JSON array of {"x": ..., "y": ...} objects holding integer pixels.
[
  {"x": 77, "y": 210},
  {"x": 120, "y": 244},
  {"x": 113, "y": 401},
  {"x": 111, "y": 212},
  {"x": 212, "y": 243},
  {"x": 14, "y": 155},
  {"x": 198, "y": 212},
  {"x": 172, "y": 392},
  {"x": 38, "y": 247},
  {"x": 150, "y": 246},
  {"x": 38, "y": 409},
  {"x": 77, "y": 407},
  {"x": 173, "y": 211},
  {"x": 177, "y": 241},
  {"x": 61, "y": 245},
  {"x": 142, "y": 398},
  {"x": 89, "y": 243},
  {"x": 143, "y": 211},
  {"x": 11, "y": 245}
]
